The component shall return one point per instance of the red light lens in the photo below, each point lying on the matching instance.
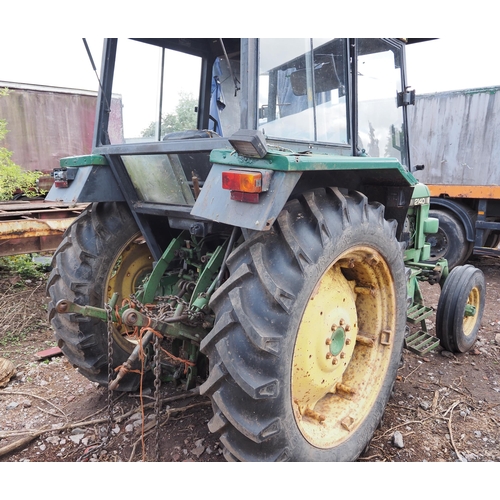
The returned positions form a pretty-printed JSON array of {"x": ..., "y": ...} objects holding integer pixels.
[{"x": 245, "y": 197}]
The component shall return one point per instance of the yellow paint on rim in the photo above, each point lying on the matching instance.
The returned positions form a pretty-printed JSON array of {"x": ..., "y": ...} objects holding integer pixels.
[
  {"x": 333, "y": 394},
  {"x": 469, "y": 323},
  {"x": 131, "y": 267},
  {"x": 133, "y": 264}
]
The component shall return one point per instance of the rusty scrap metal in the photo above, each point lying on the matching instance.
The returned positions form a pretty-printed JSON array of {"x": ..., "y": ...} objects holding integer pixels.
[{"x": 34, "y": 226}]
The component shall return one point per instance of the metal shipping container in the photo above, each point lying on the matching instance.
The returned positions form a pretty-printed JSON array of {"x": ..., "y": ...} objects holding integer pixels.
[{"x": 456, "y": 136}]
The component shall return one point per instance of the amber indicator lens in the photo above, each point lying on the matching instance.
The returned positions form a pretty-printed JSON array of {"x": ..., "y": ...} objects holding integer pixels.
[{"x": 247, "y": 182}]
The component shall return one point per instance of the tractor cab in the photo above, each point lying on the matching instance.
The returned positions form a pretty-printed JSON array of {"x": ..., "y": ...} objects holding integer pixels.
[
  {"x": 166, "y": 104},
  {"x": 319, "y": 94}
]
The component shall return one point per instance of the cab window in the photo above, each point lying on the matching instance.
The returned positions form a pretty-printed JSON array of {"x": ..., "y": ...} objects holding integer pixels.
[
  {"x": 380, "y": 121},
  {"x": 302, "y": 89}
]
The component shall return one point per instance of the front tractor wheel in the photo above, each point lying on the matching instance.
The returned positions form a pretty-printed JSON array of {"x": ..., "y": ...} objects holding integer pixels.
[
  {"x": 309, "y": 332},
  {"x": 460, "y": 308},
  {"x": 102, "y": 253}
]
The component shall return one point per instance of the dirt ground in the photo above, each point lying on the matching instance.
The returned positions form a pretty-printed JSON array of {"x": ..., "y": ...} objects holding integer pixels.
[{"x": 445, "y": 407}]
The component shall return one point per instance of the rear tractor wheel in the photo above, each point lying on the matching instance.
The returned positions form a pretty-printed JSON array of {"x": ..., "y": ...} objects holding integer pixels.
[
  {"x": 309, "y": 332},
  {"x": 460, "y": 308},
  {"x": 102, "y": 253}
]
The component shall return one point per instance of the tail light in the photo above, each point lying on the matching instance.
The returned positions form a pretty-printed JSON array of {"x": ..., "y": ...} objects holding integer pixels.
[{"x": 246, "y": 185}]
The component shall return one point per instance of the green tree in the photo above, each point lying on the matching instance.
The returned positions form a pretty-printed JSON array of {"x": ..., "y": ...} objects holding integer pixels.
[
  {"x": 12, "y": 177},
  {"x": 183, "y": 118}
]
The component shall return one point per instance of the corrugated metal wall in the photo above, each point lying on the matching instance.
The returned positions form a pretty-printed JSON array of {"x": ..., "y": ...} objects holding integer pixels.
[
  {"x": 46, "y": 124},
  {"x": 456, "y": 135}
]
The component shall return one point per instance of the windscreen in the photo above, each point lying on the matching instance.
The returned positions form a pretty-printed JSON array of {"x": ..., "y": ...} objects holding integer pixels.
[{"x": 302, "y": 89}]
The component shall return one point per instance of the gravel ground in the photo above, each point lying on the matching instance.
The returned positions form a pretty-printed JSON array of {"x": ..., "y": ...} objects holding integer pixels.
[{"x": 445, "y": 407}]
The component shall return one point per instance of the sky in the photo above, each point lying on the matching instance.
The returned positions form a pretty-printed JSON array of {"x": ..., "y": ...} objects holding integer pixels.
[{"x": 449, "y": 63}]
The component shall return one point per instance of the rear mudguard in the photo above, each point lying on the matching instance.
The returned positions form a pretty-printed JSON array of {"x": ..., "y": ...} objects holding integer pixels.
[
  {"x": 382, "y": 179},
  {"x": 215, "y": 203},
  {"x": 84, "y": 179}
]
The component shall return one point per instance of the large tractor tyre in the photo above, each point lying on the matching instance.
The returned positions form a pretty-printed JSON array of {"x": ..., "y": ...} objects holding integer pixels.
[
  {"x": 450, "y": 241},
  {"x": 460, "y": 308},
  {"x": 309, "y": 332},
  {"x": 102, "y": 253}
]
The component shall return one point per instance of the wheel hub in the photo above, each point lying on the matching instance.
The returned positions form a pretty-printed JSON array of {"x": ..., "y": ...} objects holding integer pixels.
[
  {"x": 322, "y": 351},
  {"x": 337, "y": 339},
  {"x": 470, "y": 318}
]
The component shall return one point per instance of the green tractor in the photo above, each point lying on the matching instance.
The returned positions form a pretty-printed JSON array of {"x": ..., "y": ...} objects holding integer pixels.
[{"x": 254, "y": 229}]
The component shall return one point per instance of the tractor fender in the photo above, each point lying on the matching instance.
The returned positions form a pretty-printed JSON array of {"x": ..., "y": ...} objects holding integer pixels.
[
  {"x": 214, "y": 203},
  {"x": 83, "y": 179}
]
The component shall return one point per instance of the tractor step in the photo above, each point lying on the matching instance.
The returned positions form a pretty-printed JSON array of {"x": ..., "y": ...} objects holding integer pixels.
[
  {"x": 418, "y": 312},
  {"x": 421, "y": 342}
]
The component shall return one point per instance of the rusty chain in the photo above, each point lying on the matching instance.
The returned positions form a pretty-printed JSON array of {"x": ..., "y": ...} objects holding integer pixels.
[
  {"x": 166, "y": 307},
  {"x": 110, "y": 369},
  {"x": 157, "y": 384}
]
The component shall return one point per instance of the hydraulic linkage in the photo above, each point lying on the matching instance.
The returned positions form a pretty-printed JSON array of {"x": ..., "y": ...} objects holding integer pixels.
[{"x": 172, "y": 304}]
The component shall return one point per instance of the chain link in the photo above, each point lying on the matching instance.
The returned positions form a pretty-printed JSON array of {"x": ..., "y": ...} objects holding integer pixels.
[
  {"x": 165, "y": 307},
  {"x": 157, "y": 383},
  {"x": 110, "y": 370}
]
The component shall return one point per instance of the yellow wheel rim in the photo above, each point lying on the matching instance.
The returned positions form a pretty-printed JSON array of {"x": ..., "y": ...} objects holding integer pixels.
[
  {"x": 470, "y": 317},
  {"x": 132, "y": 266},
  {"x": 343, "y": 347}
]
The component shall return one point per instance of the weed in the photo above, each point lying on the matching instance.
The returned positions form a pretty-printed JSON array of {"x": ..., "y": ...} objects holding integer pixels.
[
  {"x": 12, "y": 338},
  {"x": 23, "y": 266}
]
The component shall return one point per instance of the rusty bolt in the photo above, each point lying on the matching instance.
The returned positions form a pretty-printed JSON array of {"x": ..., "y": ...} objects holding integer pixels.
[
  {"x": 62, "y": 306},
  {"x": 341, "y": 322},
  {"x": 335, "y": 361},
  {"x": 328, "y": 355},
  {"x": 347, "y": 328},
  {"x": 342, "y": 355},
  {"x": 347, "y": 341},
  {"x": 333, "y": 327},
  {"x": 328, "y": 341}
]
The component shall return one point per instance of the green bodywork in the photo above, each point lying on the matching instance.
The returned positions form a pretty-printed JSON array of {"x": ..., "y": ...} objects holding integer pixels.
[
  {"x": 371, "y": 171},
  {"x": 289, "y": 161}
]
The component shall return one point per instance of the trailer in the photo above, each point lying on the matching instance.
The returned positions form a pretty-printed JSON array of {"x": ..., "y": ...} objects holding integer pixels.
[{"x": 455, "y": 150}]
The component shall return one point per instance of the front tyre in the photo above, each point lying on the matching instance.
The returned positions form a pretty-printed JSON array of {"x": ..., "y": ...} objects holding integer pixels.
[
  {"x": 460, "y": 308},
  {"x": 309, "y": 332}
]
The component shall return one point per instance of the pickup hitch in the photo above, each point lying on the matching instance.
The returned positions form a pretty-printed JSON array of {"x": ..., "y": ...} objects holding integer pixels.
[
  {"x": 134, "y": 319},
  {"x": 66, "y": 306}
]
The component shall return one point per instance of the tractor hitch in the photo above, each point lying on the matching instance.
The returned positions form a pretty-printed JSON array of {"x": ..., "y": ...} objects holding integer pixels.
[
  {"x": 66, "y": 306},
  {"x": 130, "y": 317}
]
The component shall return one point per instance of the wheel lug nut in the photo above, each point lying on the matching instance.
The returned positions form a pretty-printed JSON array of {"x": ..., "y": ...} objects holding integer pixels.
[
  {"x": 342, "y": 355},
  {"x": 328, "y": 355},
  {"x": 347, "y": 328},
  {"x": 335, "y": 361},
  {"x": 334, "y": 327},
  {"x": 347, "y": 341},
  {"x": 328, "y": 341},
  {"x": 341, "y": 322}
]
